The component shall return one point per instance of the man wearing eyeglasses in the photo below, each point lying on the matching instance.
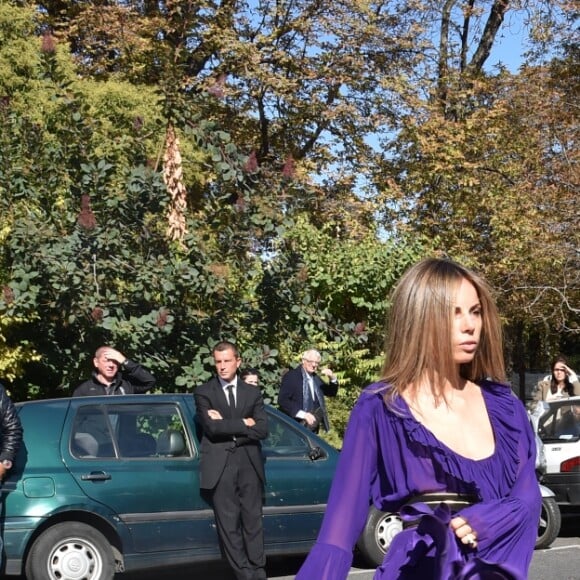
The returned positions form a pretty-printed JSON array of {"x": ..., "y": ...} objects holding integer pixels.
[{"x": 302, "y": 392}]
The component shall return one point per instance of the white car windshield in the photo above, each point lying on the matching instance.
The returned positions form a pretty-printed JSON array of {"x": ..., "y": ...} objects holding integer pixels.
[{"x": 560, "y": 420}]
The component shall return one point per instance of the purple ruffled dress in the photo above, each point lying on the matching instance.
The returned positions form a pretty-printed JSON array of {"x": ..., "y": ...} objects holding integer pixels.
[{"x": 389, "y": 457}]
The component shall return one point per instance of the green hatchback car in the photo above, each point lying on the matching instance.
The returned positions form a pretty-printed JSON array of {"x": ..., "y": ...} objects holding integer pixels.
[{"x": 110, "y": 484}]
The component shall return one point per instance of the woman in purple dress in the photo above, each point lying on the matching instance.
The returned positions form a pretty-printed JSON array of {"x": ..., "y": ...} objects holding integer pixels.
[{"x": 440, "y": 425}]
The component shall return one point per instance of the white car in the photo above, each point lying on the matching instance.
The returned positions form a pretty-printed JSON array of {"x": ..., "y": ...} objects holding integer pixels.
[{"x": 559, "y": 430}]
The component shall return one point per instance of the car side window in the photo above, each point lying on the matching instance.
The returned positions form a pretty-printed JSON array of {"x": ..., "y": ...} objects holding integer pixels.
[
  {"x": 92, "y": 435},
  {"x": 283, "y": 440},
  {"x": 130, "y": 431}
]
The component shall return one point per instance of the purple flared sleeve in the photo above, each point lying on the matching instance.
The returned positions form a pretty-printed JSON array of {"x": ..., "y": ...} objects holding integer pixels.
[
  {"x": 505, "y": 520},
  {"x": 348, "y": 502},
  {"x": 507, "y": 528},
  {"x": 390, "y": 457}
]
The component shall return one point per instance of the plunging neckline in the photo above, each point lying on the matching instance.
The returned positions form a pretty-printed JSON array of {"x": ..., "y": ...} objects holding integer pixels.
[{"x": 435, "y": 441}]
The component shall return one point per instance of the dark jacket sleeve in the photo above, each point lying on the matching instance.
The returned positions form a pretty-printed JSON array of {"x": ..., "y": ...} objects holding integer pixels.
[
  {"x": 10, "y": 427},
  {"x": 290, "y": 395},
  {"x": 329, "y": 389},
  {"x": 141, "y": 379},
  {"x": 260, "y": 430},
  {"x": 214, "y": 430},
  {"x": 224, "y": 429}
]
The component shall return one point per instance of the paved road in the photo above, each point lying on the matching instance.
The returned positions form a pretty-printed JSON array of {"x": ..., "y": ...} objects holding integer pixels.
[{"x": 561, "y": 561}]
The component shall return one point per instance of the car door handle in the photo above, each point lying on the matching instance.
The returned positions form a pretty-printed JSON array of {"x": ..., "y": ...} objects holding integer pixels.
[{"x": 96, "y": 476}]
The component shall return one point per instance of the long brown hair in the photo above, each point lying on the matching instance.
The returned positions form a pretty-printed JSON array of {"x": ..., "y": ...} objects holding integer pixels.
[
  {"x": 420, "y": 326},
  {"x": 568, "y": 386}
]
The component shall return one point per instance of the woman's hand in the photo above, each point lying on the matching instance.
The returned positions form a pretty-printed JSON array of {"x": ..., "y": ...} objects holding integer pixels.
[
  {"x": 572, "y": 377},
  {"x": 464, "y": 531}
]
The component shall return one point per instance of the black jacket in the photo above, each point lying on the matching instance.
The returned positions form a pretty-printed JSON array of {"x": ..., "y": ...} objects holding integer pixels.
[
  {"x": 291, "y": 399},
  {"x": 131, "y": 379},
  {"x": 10, "y": 427},
  {"x": 220, "y": 436}
]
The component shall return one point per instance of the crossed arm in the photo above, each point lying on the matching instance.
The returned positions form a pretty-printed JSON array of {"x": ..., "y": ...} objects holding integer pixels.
[
  {"x": 216, "y": 426},
  {"x": 215, "y": 415}
]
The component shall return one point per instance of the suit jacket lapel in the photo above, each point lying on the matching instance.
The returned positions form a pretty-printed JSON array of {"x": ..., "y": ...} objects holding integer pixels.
[
  {"x": 220, "y": 398},
  {"x": 240, "y": 400}
]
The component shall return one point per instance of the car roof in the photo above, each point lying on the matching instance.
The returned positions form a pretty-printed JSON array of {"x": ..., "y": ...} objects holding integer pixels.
[
  {"x": 565, "y": 402},
  {"x": 105, "y": 398},
  {"x": 136, "y": 398}
]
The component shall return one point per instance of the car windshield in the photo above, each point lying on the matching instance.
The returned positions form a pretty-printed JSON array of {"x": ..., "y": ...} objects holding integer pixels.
[{"x": 560, "y": 421}]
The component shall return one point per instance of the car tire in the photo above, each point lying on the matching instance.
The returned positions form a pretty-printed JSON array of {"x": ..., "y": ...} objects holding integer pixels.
[
  {"x": 70, "y": 550},
  {"x": 550, "y": 523},
  {"x": 379, "y": 531}
]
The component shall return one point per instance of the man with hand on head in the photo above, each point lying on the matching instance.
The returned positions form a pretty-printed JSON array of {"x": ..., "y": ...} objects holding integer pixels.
[
  {"x": 115, "y": 374},
  {"x": 302, "y": 392},
  {"x": 233, "y": 421}
]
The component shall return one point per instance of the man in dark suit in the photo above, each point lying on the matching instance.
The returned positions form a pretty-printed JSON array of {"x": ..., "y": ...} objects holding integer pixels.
[
  {"x": 233, "y": 421},
  {"x": 302, "y": 392}
]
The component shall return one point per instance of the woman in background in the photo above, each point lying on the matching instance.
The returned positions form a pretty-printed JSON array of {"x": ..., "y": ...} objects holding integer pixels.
[
  {"x": 562, "y": 383},
  {"x": 250, "y": 376},
  {"x": 440, "y": 439}
]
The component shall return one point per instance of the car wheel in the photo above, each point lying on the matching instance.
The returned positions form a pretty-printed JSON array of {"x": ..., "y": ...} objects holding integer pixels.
[
  {"x": 550, "y": 522},
  {"x": 73, "y": 551},
  {"x": 379, "y": 531}
]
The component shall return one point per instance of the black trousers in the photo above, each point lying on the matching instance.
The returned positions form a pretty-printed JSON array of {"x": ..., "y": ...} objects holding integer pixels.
[{"x": 237, "y": 504}]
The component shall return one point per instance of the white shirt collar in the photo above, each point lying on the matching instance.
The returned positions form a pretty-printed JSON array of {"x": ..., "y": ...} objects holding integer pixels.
[{"x": 233, "y": 382}]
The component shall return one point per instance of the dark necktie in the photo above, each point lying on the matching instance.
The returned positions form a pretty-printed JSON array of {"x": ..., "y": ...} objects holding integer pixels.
[
  {"x": 308, "y": 402},
  {"x": 231, "y": 398}
]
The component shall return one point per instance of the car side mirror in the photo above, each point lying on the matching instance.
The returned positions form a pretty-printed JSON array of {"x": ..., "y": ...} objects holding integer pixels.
[{"x": 315, "y": 453}]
